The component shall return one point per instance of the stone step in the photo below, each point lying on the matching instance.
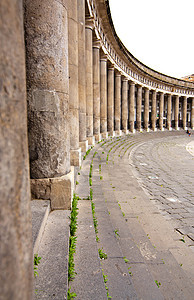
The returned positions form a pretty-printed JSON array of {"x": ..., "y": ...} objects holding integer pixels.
[
  {"x": 52, "y": 282},
  {"x": 112, "y": 239},
  {"x": 88, "y": 283},
  {"x": 40, "y": 210},
  {"x": 148, "y": 265}
]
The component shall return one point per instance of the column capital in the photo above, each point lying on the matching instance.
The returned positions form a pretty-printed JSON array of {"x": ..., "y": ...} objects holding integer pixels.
[
  {"x": 103, "y": 56},
  {"x": 131, "y": 83},
  {"x": 146, "y": 88},
  {"x": 110, "y": 66},
  {"x": 89, "y": 23},
  {"x": 96, "y": 43},
  {"x": 124, "y": 78},
  {"x": 117, "y": 73}
]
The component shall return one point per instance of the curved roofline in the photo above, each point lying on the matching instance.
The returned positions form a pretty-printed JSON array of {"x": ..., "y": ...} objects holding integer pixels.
[{"x": 137, "y": 63}]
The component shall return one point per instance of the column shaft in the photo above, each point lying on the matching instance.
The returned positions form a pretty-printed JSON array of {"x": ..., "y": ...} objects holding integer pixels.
[
  {"x": 176, "y": 112},
  {"x": 110, "y": 100},
  {"x": 184, "y": 112},
  {"x": 192, "y": 113},
  {"x": 161, "y": 111},
  {"x": 124, "y": 112},
  {"x": 16, "y": 281},
  {"x": 169, "y": 108},
  {"x": 96, "y": 87},
  {"x": 75, "y": 154},
  {"x": 81, "y": 74},
  {"x": 146, "y": 109},
  {"x": 117, "y": 101},
  {"x": 89, "y": 78},
  {"x": 48, "y": 101},
  {"x": 131, "y": 106},
  {"x": 139, "y": 104},
  {"x": 103, "y": 95},
  {"x": 48, "y": 88},
  {"x": 153, "y": 113}
]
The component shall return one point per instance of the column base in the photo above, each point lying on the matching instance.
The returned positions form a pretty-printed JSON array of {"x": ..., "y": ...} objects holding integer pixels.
[
  {"x": 75, "y": 157},
  {"x": 132, "y": 131},
  {"x": 125, "y": 131},
  {"x": 170, "y": 128},
  {"x": 111, "y": 133},
  {"x": 185, "y": 128},
  {"x": 162, "y": 129},
  {"x": 177, "y": 128},
  {"x": 104, "y": 135},
  {"x": 118, "y": 133},
  {"x": 91, "y": 140},
  {"x": 154, "y": 129},
  {"x": 98, "y": 137},
  {"x": 58, "y": 190},
  {"x": 84, "y": 146}
]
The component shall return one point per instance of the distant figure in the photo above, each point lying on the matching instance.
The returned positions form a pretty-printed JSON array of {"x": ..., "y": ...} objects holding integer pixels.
[{"x": 188, "y": 132}]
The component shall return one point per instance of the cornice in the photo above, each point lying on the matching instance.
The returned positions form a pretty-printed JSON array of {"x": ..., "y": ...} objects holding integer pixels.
[{"x": 125, "y": 62}]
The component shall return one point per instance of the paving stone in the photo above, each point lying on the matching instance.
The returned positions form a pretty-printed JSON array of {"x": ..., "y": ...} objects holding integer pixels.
[{"x": 53, "y": 250}]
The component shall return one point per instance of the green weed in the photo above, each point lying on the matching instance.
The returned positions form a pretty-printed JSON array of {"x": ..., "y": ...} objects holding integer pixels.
[
  {"x": 158, "y": 283},
  {"x": 102, "y": 254},
  {"x": 36, "y": 263}
]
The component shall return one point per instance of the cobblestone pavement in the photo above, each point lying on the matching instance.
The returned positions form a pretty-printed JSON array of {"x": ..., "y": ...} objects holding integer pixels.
[{"x": 165, "y": 169}]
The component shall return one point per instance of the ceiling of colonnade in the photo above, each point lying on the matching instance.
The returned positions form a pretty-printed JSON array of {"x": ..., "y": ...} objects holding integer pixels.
[{"x": 158, "y": 33}]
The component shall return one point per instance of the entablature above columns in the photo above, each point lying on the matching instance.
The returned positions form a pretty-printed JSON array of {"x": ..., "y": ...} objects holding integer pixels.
[{"x": 124, "y": 61}]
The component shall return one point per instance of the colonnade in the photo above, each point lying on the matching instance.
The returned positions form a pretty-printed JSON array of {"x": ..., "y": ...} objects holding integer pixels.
[{"x": 64, "y": 86}]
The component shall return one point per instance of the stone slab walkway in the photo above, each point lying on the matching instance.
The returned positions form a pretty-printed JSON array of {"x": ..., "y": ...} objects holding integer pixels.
[{"x": 147, "y": 258}]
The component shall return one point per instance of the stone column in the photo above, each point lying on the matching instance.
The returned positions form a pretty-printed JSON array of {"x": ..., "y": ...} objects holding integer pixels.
[
  {"x": 169, "y": 108},
  {"x": 176, "y": 113},
  {"x": 124, "y": 110},
  {"x": 184, "y": 112},
  {"x": 146, "y": 109},
  {"x": 103, "y": 96},
  {"x": 16, "y": 281},
  {"x": 83, "y": 142},
  {"x": 139, "y": 103},
  {"x": 117, "y": 106},
  {"x": 110, "y": 101},
  {"x": 192, "y": 113},
  {"x": 96, "y": 89},
  {"x": 89, "y": 81},
  {"x": 48, "y": 100},
  {"x": 153, "y": 113},
  {"x": 75, "y": 153},
  {"x": 131, "y": 106},
  {"x": 161, "y": 111}
]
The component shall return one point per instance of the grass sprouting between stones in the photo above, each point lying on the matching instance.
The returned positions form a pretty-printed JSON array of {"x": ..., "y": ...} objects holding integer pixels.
[{"x": 72, "y": 244}]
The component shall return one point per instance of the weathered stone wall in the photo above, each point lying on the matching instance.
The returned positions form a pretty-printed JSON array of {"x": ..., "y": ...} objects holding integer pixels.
[{"x": 15, "y": 215}]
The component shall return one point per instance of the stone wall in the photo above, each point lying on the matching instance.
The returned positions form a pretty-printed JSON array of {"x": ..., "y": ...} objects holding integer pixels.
[{"x": 15, "y": 215}]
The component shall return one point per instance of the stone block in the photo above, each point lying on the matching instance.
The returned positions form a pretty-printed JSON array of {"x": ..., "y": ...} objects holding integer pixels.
[
  {"x": 91, "y": 140},
  {"x": 83, "y": 146},
  {"x": 98, "y": 137},
  {"x": 125, "y": 131},
  {"x": 111, "y": 133},
  {"x": 58, "y": 190},
  {"x": 104, "y": 135},
  {"x": 60, "y": 193},
  {"x": 118, "y": 133},
  {"x": 75, "y": 157},
  {"x": 40, "y": 188}
]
